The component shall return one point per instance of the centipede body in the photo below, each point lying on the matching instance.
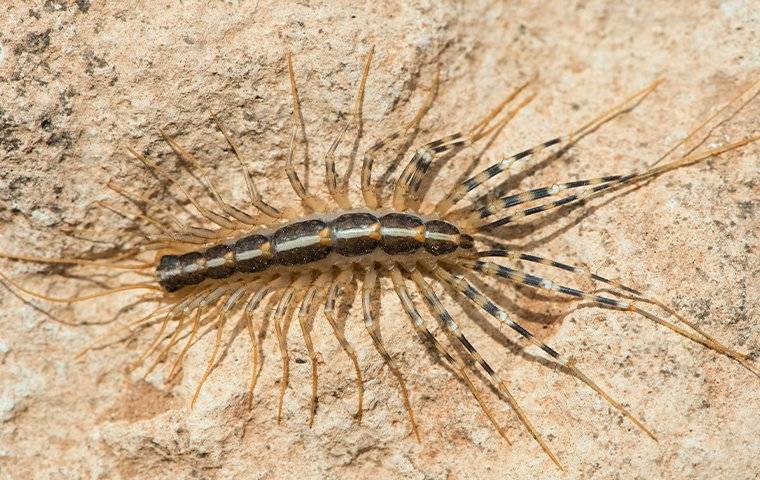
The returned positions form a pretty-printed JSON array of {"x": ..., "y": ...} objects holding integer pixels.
[{"x": 230, "y": 260}]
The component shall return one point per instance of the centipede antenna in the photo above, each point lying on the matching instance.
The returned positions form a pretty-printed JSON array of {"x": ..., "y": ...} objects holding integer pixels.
[
  {"x": 74, "y": 261},
  {"x": 373, "y": 328},
  {"x": 80, "y": 298}
]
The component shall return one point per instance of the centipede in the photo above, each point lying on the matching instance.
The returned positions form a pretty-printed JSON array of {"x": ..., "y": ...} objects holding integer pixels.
[{"x": 221, "y": 268}]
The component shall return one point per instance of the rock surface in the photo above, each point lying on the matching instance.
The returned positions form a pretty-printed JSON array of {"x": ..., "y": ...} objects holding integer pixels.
[{"x": 80, "y": 80}]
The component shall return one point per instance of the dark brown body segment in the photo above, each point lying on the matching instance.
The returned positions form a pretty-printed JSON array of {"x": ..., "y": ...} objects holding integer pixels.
[
  {"x": 401, "y": 233},
  {"x": 365, "y": 238},
  {"x": 287, "y": 254},
  {"x": 351, "y": 235}
]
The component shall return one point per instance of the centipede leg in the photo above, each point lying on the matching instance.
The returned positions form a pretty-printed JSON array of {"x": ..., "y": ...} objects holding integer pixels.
[
  {"x": 455, "y": 333},
  {"x": 373, "y": 328},
  {"x": 229, "y": 304},
  {"x": 456, "y": 363},
  {"x": 482, "y": 301},
  {"x": 370, "y": 191},
  {"x": 332, "y": 294},
  {"x": 305, "y": 318},
  {"x": 253, "y": 334}
]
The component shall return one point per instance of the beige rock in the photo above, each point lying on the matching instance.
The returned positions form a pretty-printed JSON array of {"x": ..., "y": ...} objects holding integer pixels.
[{"x": 82, "y": 80}]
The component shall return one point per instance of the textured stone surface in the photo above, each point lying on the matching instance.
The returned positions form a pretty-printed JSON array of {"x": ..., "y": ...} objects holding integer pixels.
[{"x": 79, "y": 80}]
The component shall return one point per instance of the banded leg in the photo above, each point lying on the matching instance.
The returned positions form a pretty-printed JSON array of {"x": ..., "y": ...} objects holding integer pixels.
[
  {"x": 369, "y": 191},
  {"x": 467, "y": 289},
  {"x": 308, "y": 200},
  {"x": 305, "y": 319},
  {"x": 411, "y": 177},
  {"x": 455, "y": 334},
  {"x": 373, "y": 328},
  {"x": 622, "y": 180},
  {"x": 455, "y": 362},
  {"x": 704, "y": 339},
  {"x": 416, "y": 195},
  {"x": 459, "y": 192},
  {"x": 332, "y": 294},
  {"x": 472, "y": 216}
]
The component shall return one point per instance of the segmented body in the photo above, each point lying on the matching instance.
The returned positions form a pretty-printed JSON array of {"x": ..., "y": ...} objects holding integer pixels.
[
  {"x": 228, "y": 260},
  {"x": 358, "y": 237}
]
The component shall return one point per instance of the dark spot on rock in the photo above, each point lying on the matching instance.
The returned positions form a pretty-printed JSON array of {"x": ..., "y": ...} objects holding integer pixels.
[
  {"x": 575, "y": 106},
  {"x": 61, "y": 138},
  {"x": 46, "y": 124},
  {"x": 7, "y": 127},
  {"x": 34, "y": 43},
  {"x": 83, "y": 5},
  {"x": 93, "y": 62}
]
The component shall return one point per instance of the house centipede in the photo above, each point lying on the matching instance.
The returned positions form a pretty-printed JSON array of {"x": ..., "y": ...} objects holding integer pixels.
[{"x": 226, "y": 262}]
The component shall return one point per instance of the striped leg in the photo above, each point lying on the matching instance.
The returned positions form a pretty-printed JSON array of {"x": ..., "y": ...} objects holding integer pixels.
[
  {"x": 459, "y": 192},
  {"x": 373, "y": 328},
  {"x": 411, "y": 177},
  {"x": 598, "y": 185},
  {"x": 455, "y": 362},
  {"x": 308, "y": 200},
  {"x": 332, "y": 294},
  {"x": 622, "y": 180},
  {"x": 482, "y": 301},
  {"x": 534, "y": 281},
  {"x": 305, "y": 319},
  {"x": 455, "y": 334},
  {"x": 473, "y": 216},
  {"x": 369, "y": 191}
]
